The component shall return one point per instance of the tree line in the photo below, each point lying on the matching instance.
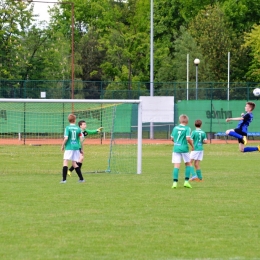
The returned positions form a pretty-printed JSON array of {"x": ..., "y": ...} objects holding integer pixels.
[{"x": 112, "y": 41}]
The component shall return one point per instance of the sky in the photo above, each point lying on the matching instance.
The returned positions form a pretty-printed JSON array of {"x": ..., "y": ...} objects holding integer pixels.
[{"x": 42, "y": 10}]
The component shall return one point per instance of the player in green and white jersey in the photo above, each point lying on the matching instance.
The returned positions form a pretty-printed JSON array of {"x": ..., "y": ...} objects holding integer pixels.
[
  {"x": 85, "y": 132},
  {"x": 181, "y": 138},
  {"x": 71, "y": 145},
  {"x": 199, "y": 138}
]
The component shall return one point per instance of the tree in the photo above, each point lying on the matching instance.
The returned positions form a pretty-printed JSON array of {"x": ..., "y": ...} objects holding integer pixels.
[
  {"x": 90, "y": 56},
  {"x": 125, "y": 50},
  {"x": 126, "y": 43},
  {"x": 252, "y": 42},
  {"x": 242, "y": 14},
  {"x": 215, "y": 38},
  {"x": 15, "y": 17},
  {"x": 90, "y": 59},
  {"x": 176, "y": 69},
  {"x": 169, "y": 16},
  {"x": 45, "y": 55}
]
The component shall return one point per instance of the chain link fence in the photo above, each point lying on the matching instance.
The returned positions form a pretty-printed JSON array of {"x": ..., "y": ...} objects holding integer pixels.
[{"x": 63, "y": 89}]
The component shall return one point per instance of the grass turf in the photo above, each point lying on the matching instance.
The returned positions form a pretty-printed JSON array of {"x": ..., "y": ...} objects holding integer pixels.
[{"x": 129, "y": 216}]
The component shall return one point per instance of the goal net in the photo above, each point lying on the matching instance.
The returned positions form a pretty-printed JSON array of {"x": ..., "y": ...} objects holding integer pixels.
[{"x": 34, "y": 128}]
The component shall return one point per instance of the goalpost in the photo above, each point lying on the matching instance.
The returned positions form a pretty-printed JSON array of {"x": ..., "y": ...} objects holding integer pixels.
[{"x": 39, "y": 124}]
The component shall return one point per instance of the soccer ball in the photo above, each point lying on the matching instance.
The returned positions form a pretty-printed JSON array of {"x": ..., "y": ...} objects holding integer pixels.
[{"x": 256, "y": 92}]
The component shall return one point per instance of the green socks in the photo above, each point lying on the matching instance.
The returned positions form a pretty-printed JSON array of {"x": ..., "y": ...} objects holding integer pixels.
[
  {"x": 175, "y": 174},
  {"x": 199, "y": 174},
  {"x": 187, "y": 172},
  {"x": 193, "y": 174}
]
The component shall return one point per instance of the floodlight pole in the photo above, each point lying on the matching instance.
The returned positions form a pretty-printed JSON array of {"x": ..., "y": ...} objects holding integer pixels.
[
  {"x": 151, "y": 64},
  {"x": 187, "y": 76},
  {"x": 197, "y": 62},
  {"x": 228, "y": 75},
  {"x": 196, "y": 81},
  {"x": 72, "y": 37},
  {"x": 72, "y": 50}
]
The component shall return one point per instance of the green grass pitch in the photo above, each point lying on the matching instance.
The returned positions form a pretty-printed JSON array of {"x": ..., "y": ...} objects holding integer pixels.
[{"x": 129, "y": 216}]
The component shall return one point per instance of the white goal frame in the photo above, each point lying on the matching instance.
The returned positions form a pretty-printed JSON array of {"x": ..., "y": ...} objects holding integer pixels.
[{"x": 107, "y": 101}]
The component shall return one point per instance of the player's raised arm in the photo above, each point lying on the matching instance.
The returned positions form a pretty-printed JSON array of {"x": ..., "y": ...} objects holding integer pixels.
[
  {"x": 99, "y": 129},
  {"x": 92, "y": 132},
  {"x": 234, "y": 119}
]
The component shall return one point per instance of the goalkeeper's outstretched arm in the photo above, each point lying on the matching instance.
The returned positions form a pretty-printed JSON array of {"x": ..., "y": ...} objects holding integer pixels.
[
  {"x": 92, "y": 132},
  {"x": 99, "y": 129}
]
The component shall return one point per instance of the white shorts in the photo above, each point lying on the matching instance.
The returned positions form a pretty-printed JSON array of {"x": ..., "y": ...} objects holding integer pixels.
[
  {"x": 72, "y": 155},
  {"x": 176, "y": 157},
  {"x": 196, "y": 155}
]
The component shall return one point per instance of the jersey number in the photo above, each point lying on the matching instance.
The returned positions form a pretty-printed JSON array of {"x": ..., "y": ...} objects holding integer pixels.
[
  {"x": 199, "y": 137},
  {"x": 179, "y": 134},
  {"x": 73, "y": 137}
]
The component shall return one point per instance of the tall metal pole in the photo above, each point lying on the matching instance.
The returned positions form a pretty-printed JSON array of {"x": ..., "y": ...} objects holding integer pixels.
[
  {"x": 151, "y": 64},
  {"x": 196, "y": 63},
  {"x": 228, "y": 74},
  {"x": 196, "y": 81},
  {"x": 187, "y": 76},
  {"x": 151, "y": 52},
  {"x": 72, "y": 56},
  {"x": 72, "y": 51}
]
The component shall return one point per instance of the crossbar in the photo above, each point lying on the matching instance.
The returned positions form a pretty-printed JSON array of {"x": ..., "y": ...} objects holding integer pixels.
[{"x": 20, "y": 100}]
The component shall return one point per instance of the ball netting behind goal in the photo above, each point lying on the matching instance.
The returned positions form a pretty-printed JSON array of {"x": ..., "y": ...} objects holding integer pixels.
[{"x": 39, "y": 124}]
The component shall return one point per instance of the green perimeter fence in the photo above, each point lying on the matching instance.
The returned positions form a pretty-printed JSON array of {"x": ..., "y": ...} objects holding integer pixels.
[
  {"x": 44, "y": 120},
  {"x": 213, "y": 114},
  {"x": 63, "y": 89}
]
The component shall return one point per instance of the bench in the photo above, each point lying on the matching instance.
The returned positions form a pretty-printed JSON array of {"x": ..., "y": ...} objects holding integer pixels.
[{"x": 249, "y": 134}]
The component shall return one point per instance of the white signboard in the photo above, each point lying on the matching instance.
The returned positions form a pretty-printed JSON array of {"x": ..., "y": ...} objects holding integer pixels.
[{"x": 157, "y": 109}]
